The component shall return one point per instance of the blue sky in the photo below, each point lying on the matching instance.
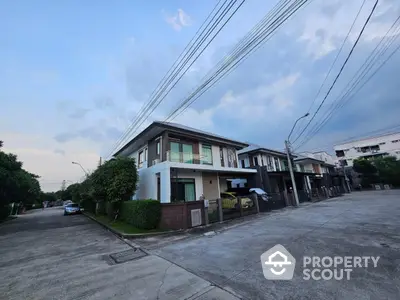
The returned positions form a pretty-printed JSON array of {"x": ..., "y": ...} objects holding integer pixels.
[{"x": 74, "y": 74}]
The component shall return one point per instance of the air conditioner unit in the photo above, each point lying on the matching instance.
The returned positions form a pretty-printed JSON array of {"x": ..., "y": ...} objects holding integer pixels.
[{"x": 155, "y": 161}]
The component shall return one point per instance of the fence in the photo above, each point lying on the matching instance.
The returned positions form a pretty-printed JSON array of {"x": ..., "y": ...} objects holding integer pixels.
[{"x": 182, "y": 215}]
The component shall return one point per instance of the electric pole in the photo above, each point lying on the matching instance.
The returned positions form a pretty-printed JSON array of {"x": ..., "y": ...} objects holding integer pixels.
[
  {"x": 62, "y": 189},
  {"x": 296, "y": 196}
]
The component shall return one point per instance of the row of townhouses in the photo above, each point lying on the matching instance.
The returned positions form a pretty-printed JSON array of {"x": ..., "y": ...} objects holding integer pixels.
[{"x": 177, "y": 163}]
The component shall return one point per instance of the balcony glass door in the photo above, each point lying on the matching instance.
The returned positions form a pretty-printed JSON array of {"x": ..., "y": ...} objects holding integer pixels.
[
  {"x": 187, "y": 153},
  {"x": 175, "y": 153}
]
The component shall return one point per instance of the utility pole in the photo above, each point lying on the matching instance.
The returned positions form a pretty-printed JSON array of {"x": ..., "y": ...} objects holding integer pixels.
[
  {"x": 62, "y": 189},
  {"x": 296, "y": 196},
  {"x": 346, "y": 179}
]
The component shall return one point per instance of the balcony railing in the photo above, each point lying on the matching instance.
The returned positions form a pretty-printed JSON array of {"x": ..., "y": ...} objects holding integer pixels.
[{"x": 188, "y": 158}]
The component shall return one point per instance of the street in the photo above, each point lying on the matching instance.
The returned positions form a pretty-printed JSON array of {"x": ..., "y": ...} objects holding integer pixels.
[
  {"x": 359, "y": 224},
  {"x": 44, "y": 255}
]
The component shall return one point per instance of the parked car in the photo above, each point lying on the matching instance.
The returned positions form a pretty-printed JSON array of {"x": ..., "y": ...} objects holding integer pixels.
[
  {"x": 71, "y": 209},
  {"x": 229, "y": 201},
  {"x": 67, "y": 202}
]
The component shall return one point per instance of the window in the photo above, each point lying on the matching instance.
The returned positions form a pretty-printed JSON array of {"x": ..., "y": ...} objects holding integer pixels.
[
  {"x": 158, "y": 147},
  {"x": 183, "y": 189},
  {"x": 221, "y": 156},
  {"x": 181, "y": 152},
  {"x": 395, "y": 141},
  {"x": 145, "y": 154},
  {"x": 382, "y": 143},
  {"x": 277, "y": 167},
  {"x": 232, "y": 163},
  {"x": 206, "y": 155},
  {"x": 242, "y": 163},
  {"x": 262, "y": 161},
  {"x": 339, "y": 153},
  {"x": 140, "y": 163},
  {"x": 270, "y": 163},
  {"x": 255, "y": 159}
]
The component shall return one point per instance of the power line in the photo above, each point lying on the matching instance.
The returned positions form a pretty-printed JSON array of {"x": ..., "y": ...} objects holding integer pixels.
[
  {"x": 362, "y": 72},
  {"x": 340, "y": 71},
  {"x": 158, "y": 98},
  {"x": 230, "y": 63},
  {"x": 382, "y": 131},
  {"x": 332, "y": 65}
]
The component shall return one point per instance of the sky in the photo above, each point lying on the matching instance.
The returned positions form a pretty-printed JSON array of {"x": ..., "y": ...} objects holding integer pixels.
[{"x": 75, "y": 74}]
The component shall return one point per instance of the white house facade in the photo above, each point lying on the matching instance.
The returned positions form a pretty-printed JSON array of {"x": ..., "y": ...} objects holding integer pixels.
[
  {"x": 368, "y": 148},
  {"x": 178, "y": 163}
]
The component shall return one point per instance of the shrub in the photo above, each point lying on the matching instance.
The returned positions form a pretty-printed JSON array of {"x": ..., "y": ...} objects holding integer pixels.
[
  {"x": 4, "y": 212},
  {"x": 143, "y": 214}
]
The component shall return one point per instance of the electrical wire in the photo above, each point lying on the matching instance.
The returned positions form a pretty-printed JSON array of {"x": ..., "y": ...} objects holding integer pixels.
[
  {"x": 362, "y": 72},
  {"x": 231, "y": 63},
  {"x": 340, "y": 71},
  {"x": 168, "y": 86},
  {"x": 331, "y": 67}
]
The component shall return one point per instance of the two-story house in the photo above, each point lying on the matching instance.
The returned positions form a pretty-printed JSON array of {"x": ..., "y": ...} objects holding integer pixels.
[
  {"x": 319, "y": 173},
  {"x": 272, "y": 166},
  {"x": 178, "y": 163}
]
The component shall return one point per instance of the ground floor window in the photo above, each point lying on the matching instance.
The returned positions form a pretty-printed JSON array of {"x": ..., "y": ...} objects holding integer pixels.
[{"x": 183, "y": 189}]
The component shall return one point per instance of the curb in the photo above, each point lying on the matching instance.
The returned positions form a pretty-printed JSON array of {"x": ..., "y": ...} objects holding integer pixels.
[
  {"x": 8, "y": 219},
  {"x": 130, "y": 235}
]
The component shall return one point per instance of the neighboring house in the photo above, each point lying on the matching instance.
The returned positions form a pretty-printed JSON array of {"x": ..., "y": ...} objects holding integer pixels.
[
  {"x": 272, "y": 166},
  {"x": 178, "y": 163},
  {"x": 324, "y": 156},
  {"x": 369, "y": 148},
  {"x": 320, "y": 172}
]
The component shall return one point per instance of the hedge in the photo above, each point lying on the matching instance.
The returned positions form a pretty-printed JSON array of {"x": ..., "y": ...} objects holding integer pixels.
[{"x": 143, "y": 214}]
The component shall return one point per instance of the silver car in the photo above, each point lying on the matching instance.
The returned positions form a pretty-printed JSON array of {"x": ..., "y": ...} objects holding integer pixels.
[{"x": 72, "y": 209}]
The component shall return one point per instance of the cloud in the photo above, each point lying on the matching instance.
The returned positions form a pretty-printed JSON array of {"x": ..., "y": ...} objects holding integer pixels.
[
  {"x": 59, "y": 151},
  {"x": 179, "y": 20},
  {"x": 104, "y": 103},
  {"x": 79, "y": 113},
  {"x": 34, "y": 150}
]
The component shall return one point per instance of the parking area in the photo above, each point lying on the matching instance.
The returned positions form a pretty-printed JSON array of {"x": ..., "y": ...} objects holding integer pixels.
[
  {"x": 45, "y": 255},
  {"x": 359, "y": 224}
]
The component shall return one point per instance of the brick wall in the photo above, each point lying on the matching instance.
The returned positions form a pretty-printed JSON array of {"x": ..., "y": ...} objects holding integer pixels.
[{"x": 178, "y": 216}]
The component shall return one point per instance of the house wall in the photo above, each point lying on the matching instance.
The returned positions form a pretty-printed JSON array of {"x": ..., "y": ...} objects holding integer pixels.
[
  {"x": 388, "y": 143},
  {"x": 210, "y": 185},
  {"x": 198, "y": 180}
]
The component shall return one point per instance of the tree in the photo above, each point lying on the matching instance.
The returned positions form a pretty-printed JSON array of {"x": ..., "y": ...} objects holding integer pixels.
[
  {"x": 367, "y": 170},
  {"x": 388, "y": 170},
  {"x": 16, "y": 184},
  {"x": 115, "y": 180}
]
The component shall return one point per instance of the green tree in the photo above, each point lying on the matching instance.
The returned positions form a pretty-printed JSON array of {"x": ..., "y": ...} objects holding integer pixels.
[
  {"x": 115, "y": 180},
  {"x": 388, "y": 170},
  {"x": 16, "y": 184},
  {"x": 367, "y": 170}
]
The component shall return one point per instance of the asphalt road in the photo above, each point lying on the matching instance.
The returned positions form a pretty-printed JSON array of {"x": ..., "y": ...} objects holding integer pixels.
[
  {"x": 45, "y": 255},
  {"x": 360, "y": 224}
]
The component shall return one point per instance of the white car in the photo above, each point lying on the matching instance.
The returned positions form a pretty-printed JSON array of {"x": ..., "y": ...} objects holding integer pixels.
[{"x": 67, "y": 202}]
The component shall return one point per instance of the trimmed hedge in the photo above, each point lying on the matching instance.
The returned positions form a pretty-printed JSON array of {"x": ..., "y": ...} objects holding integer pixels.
[{"x": 143, "y": 214}]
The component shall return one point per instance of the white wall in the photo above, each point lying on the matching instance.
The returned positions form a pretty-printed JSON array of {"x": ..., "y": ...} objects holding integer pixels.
[
  {"x": 388, "y": 143},
  {"x": 147, "y": 184},
  {"x": 215, "y": 154},
  {"x": 198, "y": 180}
]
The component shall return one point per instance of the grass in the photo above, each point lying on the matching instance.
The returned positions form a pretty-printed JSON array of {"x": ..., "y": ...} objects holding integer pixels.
[{"x": 121, "y": 226}]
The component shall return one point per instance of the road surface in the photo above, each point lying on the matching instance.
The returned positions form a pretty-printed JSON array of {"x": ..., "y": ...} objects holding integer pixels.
[
  {"x": 360, "y": 224},
  {"x": 45, "y": 255}
]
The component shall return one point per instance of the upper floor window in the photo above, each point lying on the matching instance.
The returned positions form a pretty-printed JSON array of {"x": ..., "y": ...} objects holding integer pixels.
[
  {"x": 158, "y": 147},
  {"x": 181, "y": 152},
  {"x": 221, "y": 156},
  {"x": 277, "y": 166},
  {"x": 255, "y": 159},
  {"x": 395, "y": 141},
  {"x": 140, "y": 159},
  {"x": 339, "y": 153},
  {"x": 232, "y": 163},
  {"x": 242, "y": 163},
  {"x": 206, "y": 154}
]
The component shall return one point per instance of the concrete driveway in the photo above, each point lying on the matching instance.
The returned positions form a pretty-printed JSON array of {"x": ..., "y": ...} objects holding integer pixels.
[
  {"x": 44, "y": 255},
  {"x": 360, "y": 224}
]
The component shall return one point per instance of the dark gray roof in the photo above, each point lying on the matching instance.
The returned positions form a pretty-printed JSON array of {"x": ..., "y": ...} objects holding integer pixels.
[
  {"x": 255, "y": 148},
  {"x": 179, "y": 127}
]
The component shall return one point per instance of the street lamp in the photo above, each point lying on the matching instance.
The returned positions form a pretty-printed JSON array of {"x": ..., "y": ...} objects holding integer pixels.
[
  {"x": 76, "y": 163},
  {"x": 287, "y": 146}
]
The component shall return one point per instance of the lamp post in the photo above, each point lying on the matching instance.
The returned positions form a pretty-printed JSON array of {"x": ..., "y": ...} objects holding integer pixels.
[
  {"x": 76, "y": 163},
  {"x": 287, "y": 146}
]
